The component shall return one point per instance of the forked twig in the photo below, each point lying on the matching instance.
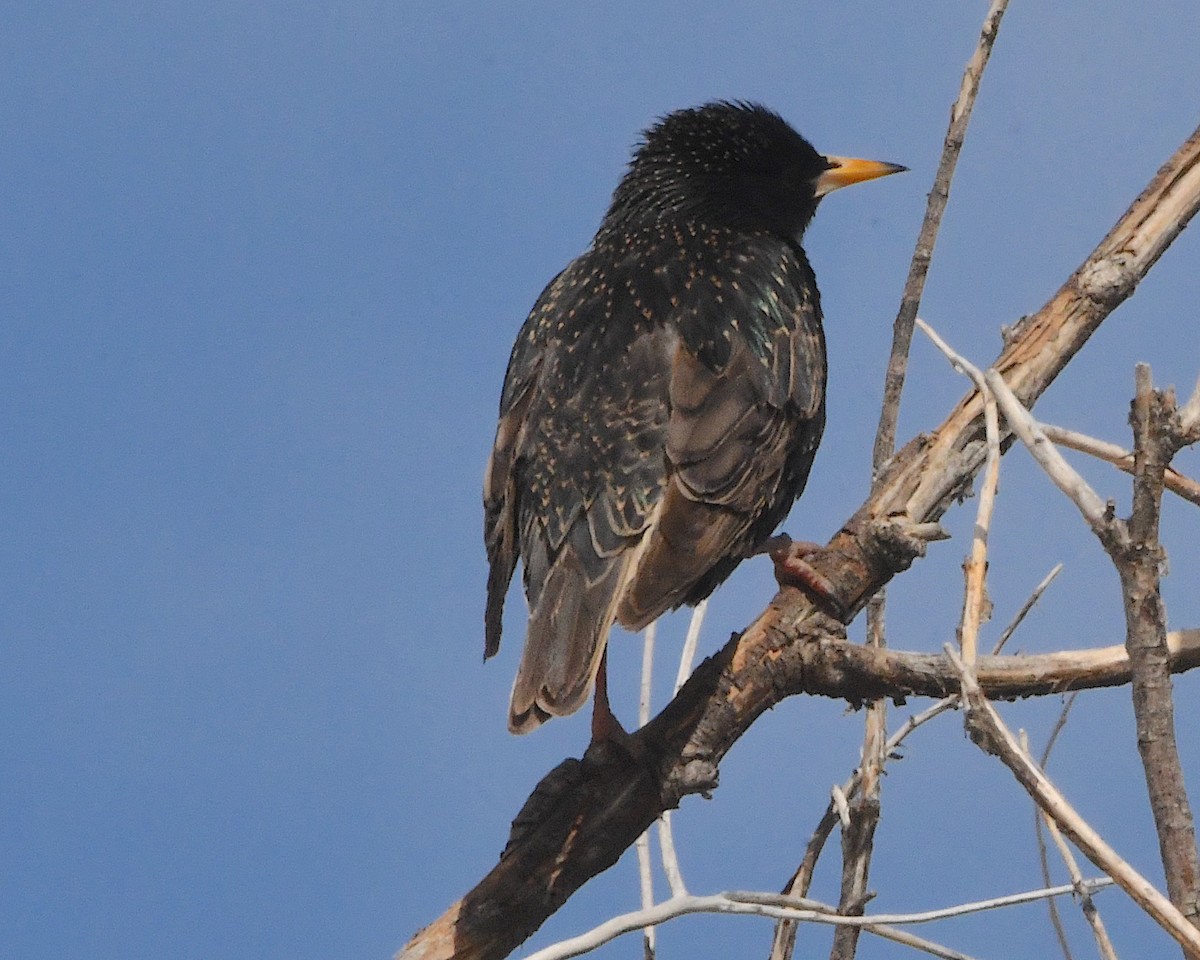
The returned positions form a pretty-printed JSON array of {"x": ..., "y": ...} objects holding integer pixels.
[
  {"x": 991, "y": 734},
  {"x": 975, "y": 601}
]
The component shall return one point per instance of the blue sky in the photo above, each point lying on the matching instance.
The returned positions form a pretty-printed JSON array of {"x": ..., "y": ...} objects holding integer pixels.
[{"x": 260, "y": 270}]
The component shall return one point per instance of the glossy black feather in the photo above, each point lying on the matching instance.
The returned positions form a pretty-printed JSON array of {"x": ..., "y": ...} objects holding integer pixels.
[{"x": 664, "y": 399}]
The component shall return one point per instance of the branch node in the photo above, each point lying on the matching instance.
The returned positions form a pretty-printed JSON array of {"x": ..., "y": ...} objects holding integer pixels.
[
  {"x": 1108, "y": 280},
  {"x": 897, "y": 541}
]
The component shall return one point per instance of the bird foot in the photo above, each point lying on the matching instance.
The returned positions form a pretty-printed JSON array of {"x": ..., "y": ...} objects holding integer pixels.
[{"x": 792, "y": 569}]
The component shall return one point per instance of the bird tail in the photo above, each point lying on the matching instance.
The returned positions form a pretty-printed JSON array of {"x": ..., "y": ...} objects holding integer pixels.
[{"x": 573, "y": 600}]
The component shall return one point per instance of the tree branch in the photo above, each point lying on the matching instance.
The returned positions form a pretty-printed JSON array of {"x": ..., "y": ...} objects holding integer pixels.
[
  {"x": 802, "y": 908},
  {"x": 918, "y": 269},
  {"x": 585, "y": 813},
  {"x": 1122, "y": 459},
  {"x": 990, "y": 734},
  {"x": 1138, "y": 565}
]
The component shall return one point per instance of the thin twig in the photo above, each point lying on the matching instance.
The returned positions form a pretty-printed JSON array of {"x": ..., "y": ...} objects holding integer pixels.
[
  {"x": 991, "y": 735},
  {"x": 1059, "y": 726},
  {"x": 976, "y": 606},
  {"x": 1090, "y": 911},
  {"x": 666, "y": 834},
  {"x": 914, "y": 286},
  {"x": 645, "y": 691},
  {"x": 794, "y": 908},
  {"x": 858, "y": 830},
  {"x": 645, "y": 867},
  {"x": 1086, "y": 903},
  {"x": 1039, "y": 832},
  {"x": 1062, "y": 473},
  {"x": 687, "y": 656},
  {"x": 1178, "y": 483},
  {"x": 1026, "y": 607},
  {"x": 670, "y": 857}
]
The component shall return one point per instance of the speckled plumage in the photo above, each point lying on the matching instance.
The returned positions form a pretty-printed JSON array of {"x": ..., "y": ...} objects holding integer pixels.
[{"x": 664, "y": 399}]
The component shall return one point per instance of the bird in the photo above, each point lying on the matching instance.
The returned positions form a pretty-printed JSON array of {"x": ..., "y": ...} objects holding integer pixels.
[{"x": 664, "y": 399}]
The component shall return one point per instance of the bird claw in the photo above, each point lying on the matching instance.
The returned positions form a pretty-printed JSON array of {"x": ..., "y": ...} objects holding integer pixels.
[{"x": 793, "y": 569}]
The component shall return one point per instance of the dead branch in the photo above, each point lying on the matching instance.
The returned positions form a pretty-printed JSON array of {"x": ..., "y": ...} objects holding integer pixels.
[
  {"x": 989, "y": 732},
  {"x": 1122, "y": 459},
  {"x": 1138, "y": 560},
  {"x": 1138, "y": 556}
]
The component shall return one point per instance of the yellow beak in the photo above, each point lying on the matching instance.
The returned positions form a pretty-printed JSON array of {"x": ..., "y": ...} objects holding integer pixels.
[{"x": 847, "y": 170}]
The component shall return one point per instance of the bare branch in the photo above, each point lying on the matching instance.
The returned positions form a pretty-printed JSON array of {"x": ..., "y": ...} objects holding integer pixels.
[
  {"x": 976, "y": 607},
  {"x": 1028, "y": 605},
  {"x": 687, "y": 656},
  {"x": 1122, "y": 459},
  {"x": 914, "y": 286},
  {"x": 1065, "y": 477},
  {"x": 645, "y": 866},
  {"x": 991, "y": 735},
  {"x": 666, "y": 835},
  {"x": 1044, "y": 856},
  {"x": 1145, "y": 623},
  {"x": 1091, "y": 912},
  {"x": 797, "y": 909}
]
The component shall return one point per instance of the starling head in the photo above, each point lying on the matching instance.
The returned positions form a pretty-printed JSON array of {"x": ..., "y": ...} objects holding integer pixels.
[{"x": 735, "y": 165}]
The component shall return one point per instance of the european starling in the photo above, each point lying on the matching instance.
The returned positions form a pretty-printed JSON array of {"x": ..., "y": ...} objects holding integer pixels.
[{"x": 664, "y": 399}]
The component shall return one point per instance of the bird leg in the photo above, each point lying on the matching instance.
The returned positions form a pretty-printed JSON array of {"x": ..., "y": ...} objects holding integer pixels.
[
  {"x": 605, "y": 725},
  {"x": 792, "y": 569}
]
